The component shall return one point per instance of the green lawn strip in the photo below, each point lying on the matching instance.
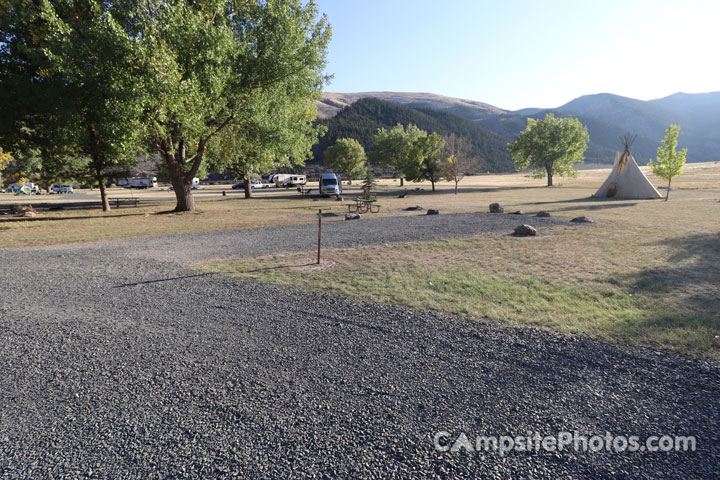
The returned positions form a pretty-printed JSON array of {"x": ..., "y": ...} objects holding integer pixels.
[{"x": 601, "y": 309}]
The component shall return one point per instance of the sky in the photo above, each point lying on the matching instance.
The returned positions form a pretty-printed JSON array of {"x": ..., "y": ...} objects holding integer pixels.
[{"x": 522, "y": 53}]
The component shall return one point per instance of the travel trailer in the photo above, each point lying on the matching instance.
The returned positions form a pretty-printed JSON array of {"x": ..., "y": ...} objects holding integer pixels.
[
  {"x": 141, "y": 182},
  {"x": 289, "y": 180},
  {"x": 330, "y": 184}
]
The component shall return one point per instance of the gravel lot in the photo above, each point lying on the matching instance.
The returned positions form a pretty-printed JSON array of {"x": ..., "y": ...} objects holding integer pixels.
[{"x": 119, "y": 362}]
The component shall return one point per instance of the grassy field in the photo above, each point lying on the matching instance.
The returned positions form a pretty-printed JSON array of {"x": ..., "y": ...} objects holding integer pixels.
[{"x": 647, "y": 272}]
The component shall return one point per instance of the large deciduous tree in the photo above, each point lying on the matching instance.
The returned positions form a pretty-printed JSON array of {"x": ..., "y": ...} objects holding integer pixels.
[
  {"x": 347, "y": 156},
  {"x": 69, "y": 68},
  {"x": 669, "y": 162},
  {"x": 275, "y": 129},
  {"x": 206, "y": 61},
  {"x": 392, "y": 147},
  {"x": 426, "y": 160},
  {"x": 550, "y": 147}
]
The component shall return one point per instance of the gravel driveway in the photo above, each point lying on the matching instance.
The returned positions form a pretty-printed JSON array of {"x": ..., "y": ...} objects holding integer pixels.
[{"x": 119, "y": 362}]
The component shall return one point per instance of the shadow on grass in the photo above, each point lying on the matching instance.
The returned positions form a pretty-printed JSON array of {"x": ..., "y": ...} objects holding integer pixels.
[{"x": 684, "y": 296}]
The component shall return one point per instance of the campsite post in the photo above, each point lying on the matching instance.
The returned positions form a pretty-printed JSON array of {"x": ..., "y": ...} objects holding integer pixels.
[{"x": 319, "y": 215}]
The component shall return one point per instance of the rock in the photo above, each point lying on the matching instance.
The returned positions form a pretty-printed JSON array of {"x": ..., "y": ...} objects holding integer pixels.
[
  {"x": 22, "y": 209},
  {"x": 543, "y": 213},
  {"x": 525, "y": 231},
  {"x": 401, "y": 196},
  {"x": 352, "y": 216},
  {"x": 416, "y": 207},
  {"x": 29, "y": 213},
  {"x": 583, "y": 219},
  {"x": 496, "y": 208},
  {"x": 432, "y": 211},
  {"x": 518, "y": 212},
  {"x": 339, "y": 199}
]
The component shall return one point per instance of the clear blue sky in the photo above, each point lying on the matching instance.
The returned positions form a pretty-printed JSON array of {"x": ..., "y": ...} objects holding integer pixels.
[{"x": 523, "y": 53}]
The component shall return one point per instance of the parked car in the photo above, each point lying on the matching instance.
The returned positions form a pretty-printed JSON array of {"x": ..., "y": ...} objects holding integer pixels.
[
  {"x": 2, "y": 190},
  {"x": 259, "y": 185},
  {"x": 238, "y": 186},
  {"x": 62, "y": 189}
]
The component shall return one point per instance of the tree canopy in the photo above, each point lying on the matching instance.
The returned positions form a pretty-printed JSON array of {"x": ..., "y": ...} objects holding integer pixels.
[
  {"x": 347, "y": 156},
  {"x": 550, "y": 147},
  {"x": 93, "y": 79},
  {"x": 392, "y": 147},
  {"x": 206, "y": 64},
  {"x": 669, "y": 162}
]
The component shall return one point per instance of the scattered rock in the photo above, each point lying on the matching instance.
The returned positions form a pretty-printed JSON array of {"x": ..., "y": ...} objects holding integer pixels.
[
  {"x": 432, "y": 211},
  {"x": 543, "y": 213},
  {"x": 583, "y": 219},
  {"x": 401, "y": 196},
  {"x": 416, "y": 207},
  {"x": 496, "y": 208},
  {"x": 518, "y": 212},
  {"x": 29, "y": 213},
  {"x": 525, "y": 231},
  {"x": 21, "y": 210},
  {"x": 352, "y": 216}
]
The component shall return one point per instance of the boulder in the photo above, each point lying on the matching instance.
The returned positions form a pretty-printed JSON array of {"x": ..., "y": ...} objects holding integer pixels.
[
  {"x": 29, "y": 213},
  {"x": 525, "y": 231},
  {"x": 543, "y": 213},
  {"x": 583, "y": 219},
  {"x": 518, "y": 212},
  {"x": 432, "y": 211},
  {"x": 22, "y": 209},
  {"x": 412, "y": 209},
  {"x": 339, "y": 199},
  {"x": 352, "y": 216},
  {"x": 496, "y": 208}
]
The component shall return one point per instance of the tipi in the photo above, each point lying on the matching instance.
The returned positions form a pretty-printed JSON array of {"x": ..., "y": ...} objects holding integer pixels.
[{"x": 626, "y": 179}]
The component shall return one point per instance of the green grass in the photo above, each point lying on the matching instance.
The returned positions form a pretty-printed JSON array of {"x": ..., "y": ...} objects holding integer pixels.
[{"x": 622, "y": 287}]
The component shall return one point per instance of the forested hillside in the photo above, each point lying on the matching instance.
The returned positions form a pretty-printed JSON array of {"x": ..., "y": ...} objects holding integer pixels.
[{"x": 362, "y": 119}]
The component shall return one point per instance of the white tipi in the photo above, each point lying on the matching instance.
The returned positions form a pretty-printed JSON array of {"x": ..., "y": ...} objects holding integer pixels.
[{"x": 627, "y": 181}]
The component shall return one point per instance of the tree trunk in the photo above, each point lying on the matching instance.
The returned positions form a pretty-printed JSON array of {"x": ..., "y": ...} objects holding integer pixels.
[
  {"x": 248, "y": 190},
  {"x": 101, "y": 184},
  {"x": 433, "y": 185},
  {"x": 668, "y": 192},
  {"x": 549, "y": 175},
  {"x": 185, "y": 202},
  {"x": 456, "y": 184},
  {"x": 402, "y": 181}
]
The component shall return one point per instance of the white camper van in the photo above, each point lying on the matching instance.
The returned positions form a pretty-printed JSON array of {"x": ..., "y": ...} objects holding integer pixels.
[
  {"x": 330, "y": 184},
  {"x": 288, "y": 180}
]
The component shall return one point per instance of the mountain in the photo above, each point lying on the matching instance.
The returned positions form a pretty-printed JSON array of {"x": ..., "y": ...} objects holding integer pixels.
[
  {"x": 605, "y": 115},
  {"x": 697, "y": 114},
  {"x": 332, "y": 103},
  {"x": 361, "y": 120}
]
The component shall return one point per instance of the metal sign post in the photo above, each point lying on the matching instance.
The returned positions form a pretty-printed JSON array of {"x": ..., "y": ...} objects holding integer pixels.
[{"x": 319, "y": 215}]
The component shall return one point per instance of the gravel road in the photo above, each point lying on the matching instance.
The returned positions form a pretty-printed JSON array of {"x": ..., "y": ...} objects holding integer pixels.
[{"x": 120, "y": 362}]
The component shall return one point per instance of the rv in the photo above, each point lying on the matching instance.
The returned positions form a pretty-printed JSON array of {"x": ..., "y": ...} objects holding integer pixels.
[
  {"x": 289, "y": 180},
  {"x": 142, "y": 182},
  {"x": 330, "y": 184}
]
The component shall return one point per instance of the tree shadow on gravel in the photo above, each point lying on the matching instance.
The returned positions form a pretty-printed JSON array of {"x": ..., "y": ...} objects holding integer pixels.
[{"x": 160, "y": 280}]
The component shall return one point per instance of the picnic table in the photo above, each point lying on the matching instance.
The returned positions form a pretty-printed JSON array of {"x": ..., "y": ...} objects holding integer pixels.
[
  {"x": 124, "y": 201},
  {"x": 363, "y": 205}
]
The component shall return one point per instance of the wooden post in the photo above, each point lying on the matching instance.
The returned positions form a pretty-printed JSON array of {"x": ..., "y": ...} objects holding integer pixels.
[{"x": 319, "y": 233}]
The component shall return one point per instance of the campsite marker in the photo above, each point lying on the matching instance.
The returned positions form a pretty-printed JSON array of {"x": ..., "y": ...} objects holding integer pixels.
[{"x": 319, "y": 215}]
